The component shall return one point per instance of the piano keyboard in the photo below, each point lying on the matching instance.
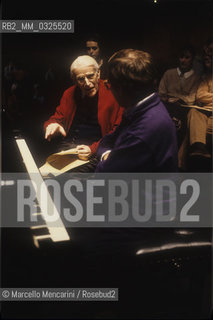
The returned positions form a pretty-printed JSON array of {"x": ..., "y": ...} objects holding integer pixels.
[{"x": 56, "y": 231}]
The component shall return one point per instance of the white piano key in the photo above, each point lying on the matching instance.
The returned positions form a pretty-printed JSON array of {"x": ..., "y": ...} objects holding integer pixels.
[
  {"x": 36, "y": 239},
  {"x": 56, "y": 229}
]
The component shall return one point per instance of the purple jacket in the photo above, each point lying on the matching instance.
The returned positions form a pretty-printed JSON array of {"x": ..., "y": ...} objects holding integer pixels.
[{"x": 145, "y": 141}]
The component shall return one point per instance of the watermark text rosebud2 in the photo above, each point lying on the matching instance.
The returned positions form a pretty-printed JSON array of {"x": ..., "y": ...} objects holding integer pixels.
[{"x": 111, "y": 202}]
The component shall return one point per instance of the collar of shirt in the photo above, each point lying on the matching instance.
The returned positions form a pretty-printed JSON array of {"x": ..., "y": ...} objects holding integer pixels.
[
  {"x": 186, "y": 74},
  {"x": 129, "y": 112},
  {"x": 141, "y": 101}
]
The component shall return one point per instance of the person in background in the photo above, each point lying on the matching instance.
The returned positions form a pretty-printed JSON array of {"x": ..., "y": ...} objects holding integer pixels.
[
  {"x": 199, "y": 120},
  {"x": 179, "y": 85},
  {"x": 94, "y": 50}
]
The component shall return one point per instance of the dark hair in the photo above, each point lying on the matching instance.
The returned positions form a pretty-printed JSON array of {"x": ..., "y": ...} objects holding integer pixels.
[
  {"x": 93, "y": 37},
  {"x": 132, "y": 70},
  {"x": 188, "y": 48}
]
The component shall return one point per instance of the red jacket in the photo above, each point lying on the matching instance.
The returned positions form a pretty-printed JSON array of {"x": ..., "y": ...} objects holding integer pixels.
[{"x": 109, "y": 111}]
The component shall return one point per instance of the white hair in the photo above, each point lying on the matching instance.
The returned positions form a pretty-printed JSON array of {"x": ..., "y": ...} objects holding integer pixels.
[{"x": 83, "y": 61}]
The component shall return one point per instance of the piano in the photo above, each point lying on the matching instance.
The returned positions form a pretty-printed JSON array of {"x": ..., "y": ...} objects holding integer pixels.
[{"x": 160, "y": 273}]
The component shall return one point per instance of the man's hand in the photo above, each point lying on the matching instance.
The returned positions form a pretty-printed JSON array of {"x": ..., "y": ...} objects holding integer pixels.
[
  {"x": 52, "y": 129},
  {"x": 83, "y": 152}
]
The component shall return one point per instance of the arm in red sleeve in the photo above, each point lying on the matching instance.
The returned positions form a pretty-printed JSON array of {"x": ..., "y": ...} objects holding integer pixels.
[{"x": 65, "y": 111}]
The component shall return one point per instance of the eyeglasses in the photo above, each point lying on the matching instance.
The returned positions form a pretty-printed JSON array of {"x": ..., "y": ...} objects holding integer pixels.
[
  {"x": 107, "y": 84},
  {"x": 88, "y": 76}
]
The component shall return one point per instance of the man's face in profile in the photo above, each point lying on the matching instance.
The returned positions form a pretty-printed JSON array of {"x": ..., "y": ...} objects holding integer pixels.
[
  {"x": 185, "y": 61},
  {"x": 93, "y": 49},
  {"x": 87, "y": 79}
]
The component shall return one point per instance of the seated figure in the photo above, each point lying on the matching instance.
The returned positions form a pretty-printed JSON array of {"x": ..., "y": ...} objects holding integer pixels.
[
  {"x": 145, "y": 140},
  {"x": 199, "y": 120},
  {"x": 180, "y": 84},
  {"x": 87, "y": 110}
]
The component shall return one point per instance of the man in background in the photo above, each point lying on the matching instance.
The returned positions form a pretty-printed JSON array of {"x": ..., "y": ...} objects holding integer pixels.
[{"x": 179, "y": 85}]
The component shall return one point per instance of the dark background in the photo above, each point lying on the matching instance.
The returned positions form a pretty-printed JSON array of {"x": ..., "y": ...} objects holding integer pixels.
[{"x": 161, "y": 28}]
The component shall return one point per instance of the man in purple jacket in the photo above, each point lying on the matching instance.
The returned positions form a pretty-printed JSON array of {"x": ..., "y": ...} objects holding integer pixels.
[{"x": 145, "y": 140}]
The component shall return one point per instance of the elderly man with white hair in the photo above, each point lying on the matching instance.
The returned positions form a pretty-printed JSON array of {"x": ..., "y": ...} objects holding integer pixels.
[{"x": 87, "y": 110}]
